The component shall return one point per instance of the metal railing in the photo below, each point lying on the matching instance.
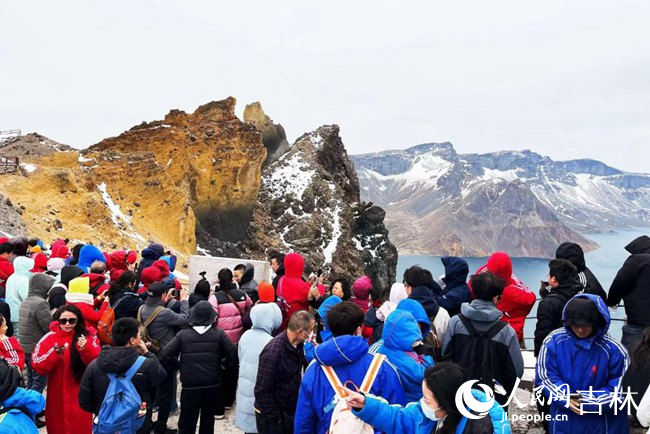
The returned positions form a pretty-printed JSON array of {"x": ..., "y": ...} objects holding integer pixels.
[{"x": 9, "y": 136}]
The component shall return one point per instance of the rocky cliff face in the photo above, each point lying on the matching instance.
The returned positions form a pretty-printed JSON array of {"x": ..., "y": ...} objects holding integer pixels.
[
  {"x": 309, "y": 203},
  {"x": 273, "y": 135}
]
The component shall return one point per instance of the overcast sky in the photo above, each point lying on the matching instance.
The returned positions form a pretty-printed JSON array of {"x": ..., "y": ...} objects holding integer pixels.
[{"x": 568, "y": 79}]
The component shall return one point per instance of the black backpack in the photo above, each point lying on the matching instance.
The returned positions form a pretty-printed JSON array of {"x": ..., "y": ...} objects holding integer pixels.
[{"x": 483, "y": 358}]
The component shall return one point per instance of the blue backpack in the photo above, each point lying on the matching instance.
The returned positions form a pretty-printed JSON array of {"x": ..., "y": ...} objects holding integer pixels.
[{"x": 120, "y": 410}]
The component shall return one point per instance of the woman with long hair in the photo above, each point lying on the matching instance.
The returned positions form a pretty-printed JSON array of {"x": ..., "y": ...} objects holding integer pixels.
[
  {"x": 63, "y": 355},
  {"x": 435, "y": 412}
]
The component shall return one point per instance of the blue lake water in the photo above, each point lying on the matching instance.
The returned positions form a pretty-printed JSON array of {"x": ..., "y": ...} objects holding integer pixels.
[{"x": 603, "y": 262}]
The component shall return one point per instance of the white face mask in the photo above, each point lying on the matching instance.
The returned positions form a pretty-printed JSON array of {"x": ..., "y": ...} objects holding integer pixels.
[{"x": 429, "y": 413}]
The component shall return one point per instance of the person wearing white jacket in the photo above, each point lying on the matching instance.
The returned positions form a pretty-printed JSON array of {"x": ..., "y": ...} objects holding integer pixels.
[
  {"x": 266, "y": 317},
  {"x": 18, "y": 288}
]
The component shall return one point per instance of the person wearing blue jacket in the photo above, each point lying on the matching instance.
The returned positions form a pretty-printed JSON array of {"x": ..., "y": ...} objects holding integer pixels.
[
  {"x": 401, "y": 336},
  {"x": 347, "y": 353},
  {"x": 325, "y": 333},
  {"x": 582, "y": 355},
  {"x": 436, "y": 411},
  {"x": 456, "y": 290},
  {"x": 18, "y": 406},
  {"x": 88, "y": 255}
]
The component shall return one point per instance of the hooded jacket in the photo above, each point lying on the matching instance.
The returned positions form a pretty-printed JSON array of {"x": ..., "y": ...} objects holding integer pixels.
[
  {"x": 483, "y": 315},
  {"x": 201, "y": 355},
  {"x": 401, "y": 331},
  {"x": 150, "y": 255},
  {"x": 35, "y": 316},
  {"x": 361, "y": 289},
  {"x": 349, "y": 357},
  {"x": 16, "y": 421},
  {"x": 62, "y": 410},
  {"x": 56, "y": 296},
  {"x": 573, "y": 253},
  {"x": 266, "y": 318},
  {"x": 517, "y": 299},
  {"x": 292, "y": 288},
  {"x": 549, "y": 311},
  {"x": 6, "y": 270},
  {"x": 325, "y": 333},
  {"x": 417, "y": 311},
  {"x": 411, "y": 419},
  {"x": 456, "y": 290},
  {"x": 248, "y": 283},
  {"x": 597, "y": 362},
  {"x": 88, "y": 255},
  {"x": 18, "y": 285},
  {"x": 632, "y": 283},
  {"x": 438, "y": 316},
  {"x": 118, "y": 360}
]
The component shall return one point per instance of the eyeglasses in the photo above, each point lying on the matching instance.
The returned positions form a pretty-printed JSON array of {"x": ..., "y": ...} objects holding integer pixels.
[{"x": 71, "y": 321}]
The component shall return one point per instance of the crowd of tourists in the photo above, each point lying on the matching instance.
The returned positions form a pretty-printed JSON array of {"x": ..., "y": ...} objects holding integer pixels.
[{"x": 101, "y": 342}]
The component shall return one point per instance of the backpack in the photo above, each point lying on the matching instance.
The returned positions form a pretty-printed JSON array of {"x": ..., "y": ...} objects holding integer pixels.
[
  {"x": 152, "y": 344},
  {"x": 120, "y": 411},
  {"x": 105, "y": 323},
  {"x": 483, "y": 358},
  {"x": 343, "y": 421}
]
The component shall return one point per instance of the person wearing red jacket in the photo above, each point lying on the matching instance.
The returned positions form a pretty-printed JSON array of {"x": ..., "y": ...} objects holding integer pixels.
[
  {"x": 6, "y": 267},
  {"x": 10, "y": 349},
  {"x": 292, "y": 291},
  {"x": 120, "y": 261},
  {"x": 517, "y": 299},
  {"x": 63, "y": 355},
  {"x": 59, "y": 249},
  {"x": 78, "y": 296}
]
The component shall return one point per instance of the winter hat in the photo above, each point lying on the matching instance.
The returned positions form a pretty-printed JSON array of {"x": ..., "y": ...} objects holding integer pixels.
[
  {"x": 60, "y": 251},
  {"x": 40, "y": 263},
  {"x": 35, "y": 250},
  {"x": 150, "y": 275},
  {"x": 78, "y": 291},
  {"x": 55, "y": 265},
  {"x": 362, "y": 288},
  {"x": 69, "y": 272},
  {"x": 581, "y": 312},
  {"x": 266, "y": 292},
  {"x": 397, "y": 293},
  {"x": 202, "y": 314},
  {"x": 157, "y": 289},
  {"x": 162, "y": 266},
  {"x": 9, "y": 380}
]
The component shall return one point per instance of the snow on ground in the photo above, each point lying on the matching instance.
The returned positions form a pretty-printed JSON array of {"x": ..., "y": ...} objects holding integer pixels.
[
  {"x": 495, "y": 174},
  {"x": 316, "y": 140},
  {"x": 203, "y": 251},
  {"x": 289, "y": 176},
  {"x": 330, "y": 248},
  {"x": 29, "y": 168},
  {"x": 83, "y": 159},
  {"x": 424, "y": 172},
  {"x": 118, "y": 217}
]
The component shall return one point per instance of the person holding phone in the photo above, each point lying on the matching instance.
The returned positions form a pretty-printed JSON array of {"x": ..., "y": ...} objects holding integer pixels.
[{"x": 63, "y": 355}]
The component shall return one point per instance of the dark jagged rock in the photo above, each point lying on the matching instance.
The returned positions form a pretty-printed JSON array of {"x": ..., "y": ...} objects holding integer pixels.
[{"x": 273, "y": 135}]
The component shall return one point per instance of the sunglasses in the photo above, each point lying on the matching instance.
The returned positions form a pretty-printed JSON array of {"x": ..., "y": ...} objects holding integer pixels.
[{"x": 71, "y": 321}]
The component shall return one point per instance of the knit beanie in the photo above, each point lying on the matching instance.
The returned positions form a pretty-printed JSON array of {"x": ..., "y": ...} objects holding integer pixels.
[{"x": 265, "y": 292}]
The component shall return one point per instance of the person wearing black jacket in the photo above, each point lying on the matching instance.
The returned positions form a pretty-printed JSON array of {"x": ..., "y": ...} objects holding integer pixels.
[
  {"x": 573, "y": 253},
  {"x": 632, "y": 285},
  {"x": 123, "y": 298},
  {"x": 563, "y": 284},
  {"x": 277, "y": 265},
  {"x": 56, "y": 295},
  {"x": 201, "y": 348},
  {"x": 118, "y": 360}
]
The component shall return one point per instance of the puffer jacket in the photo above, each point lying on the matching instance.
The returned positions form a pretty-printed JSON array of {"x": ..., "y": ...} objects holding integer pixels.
[
  {"x": 401, "y": 331},
  {"x": 593, "y": 366},
  {"x": 88, "y": 255},
  {"x": 573, "y": 253},
  {"x": 325, "y": 333},
  {"x": 266, "y": 318},
  {"x": 35, "y": 316},
  {"x": 18, "y": 285},
  {"x": 16, "y": 421},
  {"x": 292, "y": 288},
  {"x": 248, "y": 283},
  {"x": 411, "y": 419},
  {"x": 200, "y": 356},
  {"x": 349, "y": 357},
  {"x": 229, "y": 319},
  {"x": 456, "y": 290},
  {"x": 517, "y": 299},
  {"x": 150, "y": 255},
  {"x": 631, "y": 284}
]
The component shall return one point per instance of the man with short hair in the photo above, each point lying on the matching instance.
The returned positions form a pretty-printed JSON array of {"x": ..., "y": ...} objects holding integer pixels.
[
  {"x": 278, "y": 375},
  {"x": 466, "y": 334},
  {"x": 128, "y": 345},
  {"x": 6, "y": 267},
  {"x": 244, "y": 276},
  {"x": 420, "y": 286},
  {"x": 276, "y": 260},
  {"x": 346, "y": 352}
]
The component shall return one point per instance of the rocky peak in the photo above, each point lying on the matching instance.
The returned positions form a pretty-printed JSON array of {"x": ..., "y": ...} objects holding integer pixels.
[
  {"x": 273, "y": 135},
  {"x": 32, "y": 145}
]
